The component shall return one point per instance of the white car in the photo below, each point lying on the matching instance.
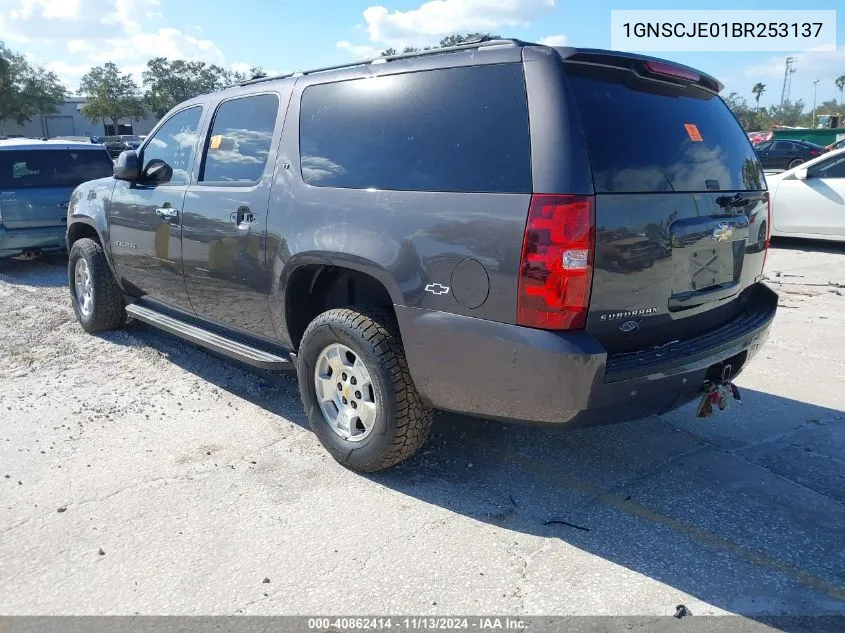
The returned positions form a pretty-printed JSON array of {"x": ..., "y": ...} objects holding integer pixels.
[{"x": 809, "y": 200}]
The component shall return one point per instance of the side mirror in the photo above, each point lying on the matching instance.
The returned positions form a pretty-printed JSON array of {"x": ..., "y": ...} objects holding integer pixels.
[
  {"x": 801, "y": 174},
  {"x": 157, "y": 172},
  {"x": 128, "y": 166}
]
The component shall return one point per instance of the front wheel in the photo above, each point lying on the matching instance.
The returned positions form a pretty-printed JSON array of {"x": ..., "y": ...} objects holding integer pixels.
[
  {"x": 97, "y": 299},
  {"x": 357, "y": 391}
]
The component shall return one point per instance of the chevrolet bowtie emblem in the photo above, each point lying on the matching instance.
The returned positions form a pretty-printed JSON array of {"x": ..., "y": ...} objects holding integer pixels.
[
  {"x": 723, "y": 232},
  {"x": 437, "y": 289}
]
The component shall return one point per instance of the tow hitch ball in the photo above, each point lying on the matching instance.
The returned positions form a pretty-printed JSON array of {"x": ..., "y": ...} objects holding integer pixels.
[{"x": 717, "y": 394}]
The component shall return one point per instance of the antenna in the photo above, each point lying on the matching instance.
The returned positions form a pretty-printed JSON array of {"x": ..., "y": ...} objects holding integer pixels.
[{"x": 787, "y": 81}]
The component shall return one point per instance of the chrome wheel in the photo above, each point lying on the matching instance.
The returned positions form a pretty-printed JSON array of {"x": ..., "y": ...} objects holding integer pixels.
[
  {"x": 345, "y": 392},
  {"x": 83, "y": 286}
]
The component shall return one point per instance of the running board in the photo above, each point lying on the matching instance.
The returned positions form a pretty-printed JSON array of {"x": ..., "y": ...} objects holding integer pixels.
[{"x": 210, "y": 340}]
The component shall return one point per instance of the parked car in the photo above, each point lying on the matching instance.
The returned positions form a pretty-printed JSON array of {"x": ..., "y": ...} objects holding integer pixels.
[
  {"x": 786, "y": 154},
  {"x": 759, "y": 137},
  {"x": 117, "y": 144},
  {"x": 75, "y": 139},
  {"x": 809, "y": 200},
  {"x": 36, "y": 181},
  {"x": 407, "y": 239},
  {"x": 840, "y": 144}
]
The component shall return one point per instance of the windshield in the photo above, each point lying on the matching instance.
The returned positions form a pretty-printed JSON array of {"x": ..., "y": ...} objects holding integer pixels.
[
  {"x": 52, "y": 168},
  {"x": 645, "y": 136}
]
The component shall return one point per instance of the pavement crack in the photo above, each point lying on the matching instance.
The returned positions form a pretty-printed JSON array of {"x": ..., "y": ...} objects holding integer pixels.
[{"x": 737, "y": 454}]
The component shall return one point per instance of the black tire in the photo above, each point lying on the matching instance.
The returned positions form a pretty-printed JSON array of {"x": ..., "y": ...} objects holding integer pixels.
[
  {"x": 795, "y": 162},
  {"x": 109, "y": 309},
  {"x": 402, "y": 421}
]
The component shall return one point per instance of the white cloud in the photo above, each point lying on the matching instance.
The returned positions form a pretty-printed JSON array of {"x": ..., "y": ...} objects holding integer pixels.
[
  {"x": 809, "y": 66},
  {"x": 434, "y": 19},
  {"x": 100, "y": 31},
  {"x": 240, "y": 67},
  {"x": 437, "y": 18},
  {"x": 553, "y": 40},
  {"x": 361, "y": 51}
]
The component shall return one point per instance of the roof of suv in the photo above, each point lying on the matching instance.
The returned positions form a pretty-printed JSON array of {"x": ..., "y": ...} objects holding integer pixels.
[
  {"x": 470, "y": 47},
  {"x": 31, "y": 144}
]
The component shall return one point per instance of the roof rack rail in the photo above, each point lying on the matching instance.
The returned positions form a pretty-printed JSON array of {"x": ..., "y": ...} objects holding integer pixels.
[
  {"x": 472, "y": 44},
  {"x": 256, "y": 80}
]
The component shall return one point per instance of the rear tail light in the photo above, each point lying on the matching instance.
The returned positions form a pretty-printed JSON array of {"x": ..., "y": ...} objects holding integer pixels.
[
  {"x": 670, "y": 70},
  {"x": 556, "y": 270},
  {"x": 815, "y": 152},
  {"x": 768, "y": 227}
]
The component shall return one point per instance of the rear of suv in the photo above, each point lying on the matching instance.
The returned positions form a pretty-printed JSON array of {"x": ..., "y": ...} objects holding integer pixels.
[
  {"x": 36, "y": 180},
  {"x": 500, "y": 229}
]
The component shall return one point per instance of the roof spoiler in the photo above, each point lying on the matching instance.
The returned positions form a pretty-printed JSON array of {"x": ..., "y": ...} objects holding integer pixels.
[{"x": 642, "y": 65}]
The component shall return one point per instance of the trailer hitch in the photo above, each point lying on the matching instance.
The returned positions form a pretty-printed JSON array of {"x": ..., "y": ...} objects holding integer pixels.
[{"x": 717, "y": 393}]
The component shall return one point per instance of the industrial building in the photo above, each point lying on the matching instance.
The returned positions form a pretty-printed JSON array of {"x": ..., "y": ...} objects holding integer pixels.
[{"x": 67, "y": 120}]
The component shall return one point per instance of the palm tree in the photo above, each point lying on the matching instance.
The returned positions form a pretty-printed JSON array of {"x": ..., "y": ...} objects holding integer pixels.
[
  {"x": 758, "y": 91},
  {"x": 840, "y": 83}
]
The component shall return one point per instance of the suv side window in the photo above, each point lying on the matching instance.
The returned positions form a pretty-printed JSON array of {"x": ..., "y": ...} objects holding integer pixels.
[
  {"x": 833, "y": 168},
  {"x": 458, "y": 129},
  {"x": 238, "y": 145},
  {"x": 175, "y": 143}
]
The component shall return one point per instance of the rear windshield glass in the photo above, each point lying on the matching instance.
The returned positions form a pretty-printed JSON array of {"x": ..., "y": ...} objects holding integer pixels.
[
  {"x": 52, "y": 168},
  {"x": 646, "y": 136}
]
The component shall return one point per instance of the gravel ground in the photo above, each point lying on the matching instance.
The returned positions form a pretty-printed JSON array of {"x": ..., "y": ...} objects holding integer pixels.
[{"x": 139, "y": 474}]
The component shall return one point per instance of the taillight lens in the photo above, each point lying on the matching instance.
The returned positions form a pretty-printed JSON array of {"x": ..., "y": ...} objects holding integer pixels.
[
  {"x": 556, "y": 270},
  {"x": 768, "y": 227}
]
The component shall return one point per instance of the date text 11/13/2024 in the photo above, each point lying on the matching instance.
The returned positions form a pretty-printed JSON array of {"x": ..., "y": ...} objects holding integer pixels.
[{"x": 428, "y": 623}]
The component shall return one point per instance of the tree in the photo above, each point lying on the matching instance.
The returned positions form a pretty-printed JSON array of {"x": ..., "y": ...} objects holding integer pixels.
[
  {"x": 758, "y": 91},
  {"x": 456, "y": 39},
  {"x": 169, "y": 83},
  {"x": 254, "y": 72},
  {"x": 26, "y": 89},
  {"x": 110, "y": 95},
  {"x": 791, "y": 114},
  {"x": 840, "y": 83}
]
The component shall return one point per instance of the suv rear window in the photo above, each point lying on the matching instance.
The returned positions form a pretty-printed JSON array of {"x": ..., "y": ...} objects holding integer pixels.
[
  {"x": 52, "y": 168},
  {"x": 647, "y": 136},
  {"x": 459, "y": 129}
]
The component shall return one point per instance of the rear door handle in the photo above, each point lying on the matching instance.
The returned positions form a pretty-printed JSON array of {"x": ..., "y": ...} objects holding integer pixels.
[
  {"x": 242, "y": 218},
  {"x": 167, "y": 214}
]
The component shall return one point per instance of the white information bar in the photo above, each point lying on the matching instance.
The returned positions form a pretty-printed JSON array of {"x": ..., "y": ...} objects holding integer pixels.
[{"x": 706, "y": 30}]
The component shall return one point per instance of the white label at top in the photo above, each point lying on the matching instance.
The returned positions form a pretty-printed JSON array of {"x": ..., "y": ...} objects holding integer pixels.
[{"x": 704, "y": 30}]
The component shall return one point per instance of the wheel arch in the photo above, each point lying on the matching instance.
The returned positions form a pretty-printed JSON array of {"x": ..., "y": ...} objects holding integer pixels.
[
  {"x": 83, "y": 227},
  {"x": 313, "y": 283}
]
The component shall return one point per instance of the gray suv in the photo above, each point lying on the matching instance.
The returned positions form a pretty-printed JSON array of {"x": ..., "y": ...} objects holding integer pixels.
[{"x": 500, "y": 229}]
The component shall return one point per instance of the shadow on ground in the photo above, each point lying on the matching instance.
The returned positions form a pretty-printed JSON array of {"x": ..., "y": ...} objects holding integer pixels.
[
  {"x": 50, "y": 271},
  {"x": 744, "y": 511},
  {"x": 808, "y": 246}
]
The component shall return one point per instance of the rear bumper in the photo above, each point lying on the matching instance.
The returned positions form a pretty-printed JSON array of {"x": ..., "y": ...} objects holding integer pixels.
[
  {"x": 14, "y": 242},
  {"x": 502, "y": 371}
]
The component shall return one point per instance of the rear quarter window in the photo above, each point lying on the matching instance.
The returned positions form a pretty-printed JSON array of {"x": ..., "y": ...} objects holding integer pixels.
[
  {"x": 21, "y": 169},
  {"x": 646, "y": 136},
  {"x": 458, "y": 129}
]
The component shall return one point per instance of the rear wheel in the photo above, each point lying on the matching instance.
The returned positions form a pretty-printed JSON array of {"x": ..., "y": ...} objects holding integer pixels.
[
  {"x": 97, "y": 299},
  {"x": 357, "y": 392},
  {"x": 795, "y": 162}
]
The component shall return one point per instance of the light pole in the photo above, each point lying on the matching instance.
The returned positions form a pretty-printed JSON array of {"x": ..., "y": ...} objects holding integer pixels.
[{"x": 815, "y": 87}]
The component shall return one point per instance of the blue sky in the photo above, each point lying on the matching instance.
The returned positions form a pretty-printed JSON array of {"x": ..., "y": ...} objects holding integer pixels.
[{"x": 70, "y": 36}]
